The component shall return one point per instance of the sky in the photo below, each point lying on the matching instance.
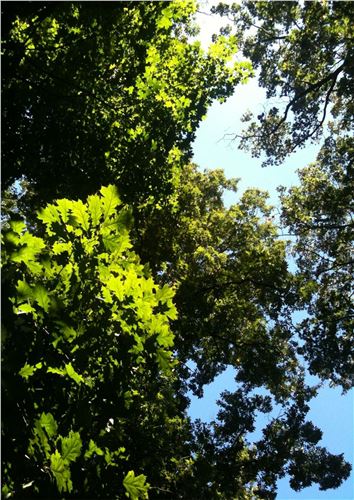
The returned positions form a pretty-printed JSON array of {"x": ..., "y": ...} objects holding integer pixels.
[{"x": 330, "y": 411}]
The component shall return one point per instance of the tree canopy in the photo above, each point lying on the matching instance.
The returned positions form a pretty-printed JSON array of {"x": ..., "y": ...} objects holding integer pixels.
[
  {"x": 320, "y": 213},
  {"x": 128, "y": 284},
  {"x": 112, "y": 94},
  {"x": 304, "y": 54},
  {"x": 316, "y": 90}
]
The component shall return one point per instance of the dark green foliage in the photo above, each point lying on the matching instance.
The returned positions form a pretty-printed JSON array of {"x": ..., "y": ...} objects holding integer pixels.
[{"x": 320, "y": 214}]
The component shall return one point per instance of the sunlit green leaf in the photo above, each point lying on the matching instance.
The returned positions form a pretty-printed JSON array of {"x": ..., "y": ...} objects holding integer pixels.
[
  {"x": 24, "y": 309},
  {"x": 48, "y": 422},
  {"x": 80, "y": 212},
  {"x": 71, "y": 447},
  {"x": 41, "y": 296},
  {"x": 164, "y": 293},
  {"x": 17, "y": 226},
  {"x": 93, "y": 449},
  {"x": 57, "y": 371},
  {"x": 64, "y": 207},
  {"x": 73, "y": 374},
  {"x": 110, "y": 200},
  {"x": 61, "y": 472},
  {"x": 60, "y": 247},
  {"x": 95, "y": 209},
  {"x": 28, "y": 370},
  {"x": 136, "y": 486}
]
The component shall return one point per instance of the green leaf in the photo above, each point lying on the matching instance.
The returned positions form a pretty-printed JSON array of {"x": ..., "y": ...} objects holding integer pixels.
[
  {"x": 61, "y": 247},
  {"x": 111, "y": 241},
  {"x": 164, "y": 359},
  {"x": 116, "y": 285},
  {"x": 107, "y": 296},
  {"x": 116, "y": 242},
  {"x": 68, "y": 331},
  {"x": 135, "y": 486},
  {"x": 47, "y": 421},
  {"x": 17, "y": 226},
  {"x": 48, "y": 215},
  {"x": 79, "y": 211},
  {"x": 40, "y": 439},
  {"x": 23, "y": 289},
  {"x": 57, "y": 371},
  {"x": 41, "y": 296},
  {"x": 71, "y": 447},
  {"x": 171, "y": 313},
  {"x": 64, "y": 207},
  {"x": 28, "y": 370},
  {"x": 31, "y": 247},
  {"x": 24, "y": 309},
  {"x": 164, "y": 294},
  {"x": 34, "y": 267},
  {"x": 164, "y": 23},
  {"x": 110, "y": 200},
  {"x": 61, "y": 472},
  {"x": 34, "y": 243},
  {"x": 94, "y": 204},
  {"x": 73, "y": 374},
  {"x": 93, "y": 448}
]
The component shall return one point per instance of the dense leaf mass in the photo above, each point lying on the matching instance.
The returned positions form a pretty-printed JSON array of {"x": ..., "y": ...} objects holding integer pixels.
[
  {"x": 124, "y": 301},
  {"x": 86, "y": 329},
  {"x": 111, "y": 94}
]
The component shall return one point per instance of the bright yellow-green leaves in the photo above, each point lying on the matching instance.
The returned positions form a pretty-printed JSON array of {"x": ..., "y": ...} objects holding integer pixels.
[
  {"x": 136, "y": 486},
  {"x": 46, "y": 444},
  {"x": 60, "y": 472},
  {"x": 93, "y": 448},
  {"x": 96, "y": 230},
  {"x": 69, "y": 371},
  {"x": 27, "y": 248},
  {"x": 28, "y": 370},
  {"x": 49, "y": 35},
  {"x": 80, "y": 287}
]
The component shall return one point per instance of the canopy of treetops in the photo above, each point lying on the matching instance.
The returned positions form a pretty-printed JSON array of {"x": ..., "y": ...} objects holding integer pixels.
[{"x": 128, "y": 284}]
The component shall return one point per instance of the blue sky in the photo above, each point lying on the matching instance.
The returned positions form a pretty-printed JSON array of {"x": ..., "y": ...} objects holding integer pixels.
[{"x": 330, "y": 411}]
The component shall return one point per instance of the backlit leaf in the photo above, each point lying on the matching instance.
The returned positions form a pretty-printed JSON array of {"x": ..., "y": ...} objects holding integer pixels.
[
  {"x": 57, "y": 371},
  {"x": 64, "y": 207},
  {"x": 93, "y": 448},
  {"x": 110, "y": 200},
  {"x": 71, "y": 447},
  {"x": 95, "y": 209},
  {"x": 48, "y": 422},
  {"x": 61, "y": 472},
  {"x": 79, "y": 211},
  {"x": 41, "y": 296},
  {"x": 164, "y": 293},
  {"x": 136, "y": 486},
  {"x": 73, "y": 374},
  {"x": 164, "y": 359},
  {"x": 17, "y": 226},
  {"x": 23, "y": 289},
  {"x": 48, "y": 215},
  {"x": 24, "y": 309},
  {"x": 28, "y": 370},
  {"x": 60, "y": 247}
]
